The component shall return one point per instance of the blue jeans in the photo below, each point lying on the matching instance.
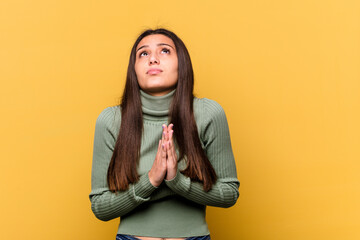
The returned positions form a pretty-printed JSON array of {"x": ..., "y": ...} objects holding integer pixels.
[{"x": 128, "y": 237}]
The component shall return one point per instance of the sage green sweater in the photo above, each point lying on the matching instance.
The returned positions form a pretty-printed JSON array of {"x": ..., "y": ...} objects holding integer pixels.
[{"x": 177, "y": 207}]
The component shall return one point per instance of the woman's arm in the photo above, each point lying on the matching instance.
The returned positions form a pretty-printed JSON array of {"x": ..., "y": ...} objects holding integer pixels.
[
  {"x": 224, "y": 192},
  {"x": 105, "y": 204},
  {"x": 215, "y": 136}
]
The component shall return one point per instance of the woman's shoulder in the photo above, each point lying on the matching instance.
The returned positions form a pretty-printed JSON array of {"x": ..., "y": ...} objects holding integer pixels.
[
  {"x": 208, "y": 107},
  {"x": 109, "y": 116}
]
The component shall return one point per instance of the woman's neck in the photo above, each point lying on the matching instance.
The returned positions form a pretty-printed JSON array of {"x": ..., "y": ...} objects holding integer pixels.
[{"x": 156, "y": 107}]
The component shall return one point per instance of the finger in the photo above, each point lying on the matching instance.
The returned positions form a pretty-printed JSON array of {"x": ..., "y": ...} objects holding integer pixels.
[
  {"x": 170, "y": 153},
  {"x": 163, "y": 153},
  {"x": 171, "y": 132},
  {"x": 163, "y": 134},
  {"x": 166, "y": 131},
  {"x": 163, "y": 144},
  {"x": 167, "y": 136},
  {"x": 172, "y": 149},
  {"x": 158, "y": 153},
  {"x": 165, "y": 128}
]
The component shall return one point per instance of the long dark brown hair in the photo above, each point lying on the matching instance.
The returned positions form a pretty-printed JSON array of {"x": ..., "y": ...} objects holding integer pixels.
[{"x": 123, "y": 165}]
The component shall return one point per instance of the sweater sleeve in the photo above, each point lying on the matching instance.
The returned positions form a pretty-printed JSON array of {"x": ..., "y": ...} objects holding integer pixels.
[
  {"x": 215, "y": 137},
  {"x": 105, "y": 204}
]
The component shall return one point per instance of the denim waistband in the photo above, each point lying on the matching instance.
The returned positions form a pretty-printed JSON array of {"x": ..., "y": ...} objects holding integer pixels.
[{"x": 129, "y": 237}]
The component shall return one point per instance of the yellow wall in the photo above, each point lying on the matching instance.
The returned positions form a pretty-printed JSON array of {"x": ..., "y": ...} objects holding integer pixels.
[{"x": 286, "y": 72}]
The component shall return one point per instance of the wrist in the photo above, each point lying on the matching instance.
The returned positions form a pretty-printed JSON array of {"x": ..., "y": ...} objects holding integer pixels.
[
  {"x": 152, "y": 181},
  {"x": 171, "y": 175}
]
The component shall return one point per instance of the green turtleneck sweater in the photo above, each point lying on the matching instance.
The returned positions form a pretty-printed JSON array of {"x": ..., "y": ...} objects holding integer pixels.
[{"x": 177, "y": 207}]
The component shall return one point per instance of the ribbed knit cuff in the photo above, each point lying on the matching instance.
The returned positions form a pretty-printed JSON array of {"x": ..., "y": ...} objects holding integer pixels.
[
  {"x": 180, "y": 183},
  {"x": 143, "y": 188}
]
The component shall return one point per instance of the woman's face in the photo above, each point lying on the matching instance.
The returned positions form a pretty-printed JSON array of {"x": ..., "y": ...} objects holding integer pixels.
[{"x": 156, "y": 64}]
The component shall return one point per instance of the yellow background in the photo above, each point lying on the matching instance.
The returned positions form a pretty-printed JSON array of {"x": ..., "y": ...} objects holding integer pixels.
[{"x": 285, "y": 71}]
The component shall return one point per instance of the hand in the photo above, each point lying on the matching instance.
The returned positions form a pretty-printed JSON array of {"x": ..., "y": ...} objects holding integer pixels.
[
  {"x": 171, "y": 157},
  {"x": 158, "y": 170}
]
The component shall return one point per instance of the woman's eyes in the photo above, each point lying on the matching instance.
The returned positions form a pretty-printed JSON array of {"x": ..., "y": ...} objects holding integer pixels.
[
  {"x": 143, "y": 54},
  {"x": 164, "y": 50}
]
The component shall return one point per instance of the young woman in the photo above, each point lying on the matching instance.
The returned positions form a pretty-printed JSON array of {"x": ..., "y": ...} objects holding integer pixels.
[{"x": 162, "y": 155}]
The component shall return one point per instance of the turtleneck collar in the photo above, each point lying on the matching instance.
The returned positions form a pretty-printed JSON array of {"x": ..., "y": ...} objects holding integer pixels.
[{"x": 156, "y": 107}]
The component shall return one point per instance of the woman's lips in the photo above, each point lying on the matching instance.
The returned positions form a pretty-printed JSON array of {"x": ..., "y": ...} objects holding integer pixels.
[{"x": 154, "y": 71}]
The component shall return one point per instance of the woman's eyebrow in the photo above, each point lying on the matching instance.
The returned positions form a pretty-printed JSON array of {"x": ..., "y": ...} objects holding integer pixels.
[
  {"x": 142, "y": 47},
  {"x": 159, "y": 44}
]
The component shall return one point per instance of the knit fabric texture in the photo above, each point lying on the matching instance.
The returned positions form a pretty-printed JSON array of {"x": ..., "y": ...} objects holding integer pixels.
[{"x": 177, "y": 207}]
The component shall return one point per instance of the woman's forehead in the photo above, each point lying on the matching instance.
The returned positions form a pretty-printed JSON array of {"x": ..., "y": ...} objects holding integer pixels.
[{"x": 155, "y": 40}]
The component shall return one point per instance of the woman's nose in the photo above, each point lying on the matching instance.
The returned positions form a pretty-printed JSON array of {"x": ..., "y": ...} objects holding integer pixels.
[{"x": 154, "y": 59}]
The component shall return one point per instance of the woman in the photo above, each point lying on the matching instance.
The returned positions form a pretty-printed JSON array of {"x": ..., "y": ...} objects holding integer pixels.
[{"x": 159, "y": 177}]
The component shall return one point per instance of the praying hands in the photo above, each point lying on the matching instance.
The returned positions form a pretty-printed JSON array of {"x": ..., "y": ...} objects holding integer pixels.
[{"x": 165, "y": 164}]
